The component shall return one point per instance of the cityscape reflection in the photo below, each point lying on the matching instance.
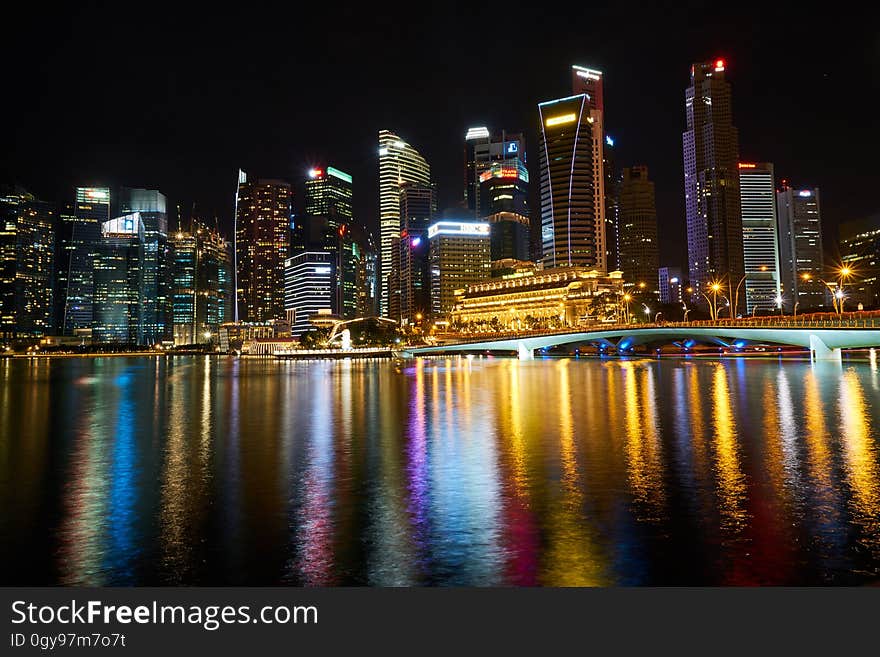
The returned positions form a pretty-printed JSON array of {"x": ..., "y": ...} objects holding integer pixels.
[{"x": 453, "y": 471}]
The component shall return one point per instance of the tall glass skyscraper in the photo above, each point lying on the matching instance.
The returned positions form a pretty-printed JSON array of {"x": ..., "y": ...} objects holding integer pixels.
[
  {"x": 118, "y": 275},
  {"x": 398, "y": 163},
  {"x": 757, "y": 190},
  {"x": 308, "y": 288},
  {"x": 570, "y": 226},
  {"x": 202, "y": 287},
  {"x": 262, "y": 239},
  {"x": 27, "y": 255},
  {"x": 590, "y": 82},
  {"x": 92, "y": 208},
  {"x": 501, "y": 152},
  {"x": 156, "y": 316},
  {"x": 711, "y": 181},
  {"x": 637, "y": 212},
  {"x": 800, "y": 248}
]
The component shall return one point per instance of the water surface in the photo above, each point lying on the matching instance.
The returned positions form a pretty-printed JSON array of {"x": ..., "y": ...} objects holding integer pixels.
[{"x": 215, "y": 470}]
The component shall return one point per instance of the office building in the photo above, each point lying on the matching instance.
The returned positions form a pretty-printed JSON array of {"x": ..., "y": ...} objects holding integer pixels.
[
  {"x": 670, "y": 285},
  {"x": 202, "y": 294},
  {"x": 413, "y": 280},
  {"x": 639, "y": 253},
  {"x": 711, "y": 181},
  {"x": 499, "y": 152},
  {"x": 398, "y": 163},
  {"x": 860, "y": 251},
  {"x": 308, "y": 288},
  {"x": 571, "y": 232},
  {"x": 551, "y": 298},
  {"x": 91, "y": 210},
  {"x": 590, "y": 82},
  {"x": 262, "y": 225},
  {"x": 612, "y": 206},
  {"x": 509, "y": 234},
  {"x": 757, "y": 190},
  {"x": 327, "y": 226},
  {"x": 27, "y": 255},
  {"x": 156, "y": 317},
  {"x": 118, "y": 282},
  {"x": 801, "y": 257},
  {"x": 459, "y": 256}
]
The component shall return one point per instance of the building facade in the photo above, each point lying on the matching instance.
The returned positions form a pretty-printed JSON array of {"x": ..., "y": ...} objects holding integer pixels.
[
  {"x": 459, "y": 256},
  {"x": 571, "y": 232},
  {"x": 638, "y": 250},
  {"x": 262, "y": 227},
  {"x": 27, "y": 256},
  {"x": 504, "y": 155},
  {"x": 860, "y": 251},
  {"x": 711, "y": 181},
  {"x": 801, "y": 257},
  {"x": 118, "y": 278},
  {"x": 417, "y": 204},
  {"x": 398, "y": 163},
  {"x": 671, "y": 284},
  {"x": 763, "y": 291},
  {"x": 81, "y": 239},
  {"x": 202, "y": 294},
  {"x": 308, "y": 288},
  {"x": 551, "y": 298}
]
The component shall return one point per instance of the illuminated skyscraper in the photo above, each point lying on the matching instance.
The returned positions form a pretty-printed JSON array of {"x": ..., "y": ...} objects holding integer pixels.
[
  {"x": 639, "y": 255},
  {"x": 860, "y": 251},
  {"x": 92, "y": 209},
  {"x": 27, "y": 254},
  {"x": 308, "y": 288},
  {"x": 500, "y": 151},
  {"x": 591, "y": 82},
  {"x": 711, "y": 181},
  {"x": 612, "y": 207},
  {"x": 327, "y": 226},
  {"x": 202, "y": 288},
  {"x": 118, "y": 282},
  {"x": 414, "y": 277},
  {"x": 757, "y": 190},
  {"x": 263, "y": 210},
  {"x": 156, "y": 316},
  {"x": 459, "y": 256},
  {"x": 398, "y": 163},
  {"x": 800, "y": 248},
  {"x": 572, "y": 233}
]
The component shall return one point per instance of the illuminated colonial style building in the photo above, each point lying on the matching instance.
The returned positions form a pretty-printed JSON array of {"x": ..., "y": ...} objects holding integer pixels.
[{"x": 549, "y": 298}]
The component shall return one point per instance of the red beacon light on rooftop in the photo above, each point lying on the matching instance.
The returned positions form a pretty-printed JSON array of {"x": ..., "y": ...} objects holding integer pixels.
[{"x": 719, "y": 65}]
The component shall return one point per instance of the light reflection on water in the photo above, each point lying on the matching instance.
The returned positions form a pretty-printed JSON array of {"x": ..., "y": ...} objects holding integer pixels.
[{"x": 120, "y": 471}]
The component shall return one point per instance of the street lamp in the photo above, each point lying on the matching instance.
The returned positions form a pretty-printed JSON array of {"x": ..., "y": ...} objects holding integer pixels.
[
  {"x": 627, "y": 298},
  {"x": 647, "y": 311},
  {"x": 686, "y": 311}
]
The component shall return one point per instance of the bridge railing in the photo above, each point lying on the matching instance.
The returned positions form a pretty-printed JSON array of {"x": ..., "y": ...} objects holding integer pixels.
[{"x": 854, "y": 320}]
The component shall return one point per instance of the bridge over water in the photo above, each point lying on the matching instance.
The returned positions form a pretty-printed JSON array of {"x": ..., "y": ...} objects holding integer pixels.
[{"x": 824, "y": 339}]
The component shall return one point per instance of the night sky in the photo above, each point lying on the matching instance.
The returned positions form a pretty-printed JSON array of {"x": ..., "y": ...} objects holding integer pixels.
[{"x": 153, "y": 97}]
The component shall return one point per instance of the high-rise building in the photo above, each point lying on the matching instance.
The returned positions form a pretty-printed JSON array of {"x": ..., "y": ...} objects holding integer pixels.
[
  {"x": 327, "y": 226},
  {"x": 366, "y": 271},
  {"x": 711, "y": 181},
  {"x": 459, "y": 256},
  {"x": 800, "y": 248},
  {"x": 262, "y": 225},
  {"x": 572, "y": 234},
  {"x": 202, "y": 288},
  {"x": 91, "y": 210},
  {"x": 308, "y": 288},
  {"x": 670, "y": 285},
  {"x": 417, "y": 204},
  {"x": 591, "y": 82},
  {"x": 757, "y": 190},
  {"x": 860, "y": 251},
  {"x": 504, "y": 154},
  {"x": 398, "y": 163},
  {"x": 156, "y": 316},
  {"x": 118, "y": 282},
  {"x": 63, "y": 231},
  {"x": 508, "y": 236},
  {"x": 639, "y": 255},
  {"x": 612, "y": 207},
  {"x": 27, "y": 255}
]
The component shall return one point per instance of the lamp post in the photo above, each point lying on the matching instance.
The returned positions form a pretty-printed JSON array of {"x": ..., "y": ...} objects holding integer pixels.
[
  {"x": 843, "y": 274},
  {"x": 808, "y": 277},
  {"x": 686, "y": 311},
  {"x": 647, "y": 311}
]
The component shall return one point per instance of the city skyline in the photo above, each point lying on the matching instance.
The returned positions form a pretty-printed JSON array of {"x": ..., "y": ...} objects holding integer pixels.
[{"x": 642, "y": 99}]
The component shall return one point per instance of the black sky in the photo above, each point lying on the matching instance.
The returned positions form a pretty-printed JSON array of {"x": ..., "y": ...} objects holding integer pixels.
[{"x": 176, "y": 98}]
